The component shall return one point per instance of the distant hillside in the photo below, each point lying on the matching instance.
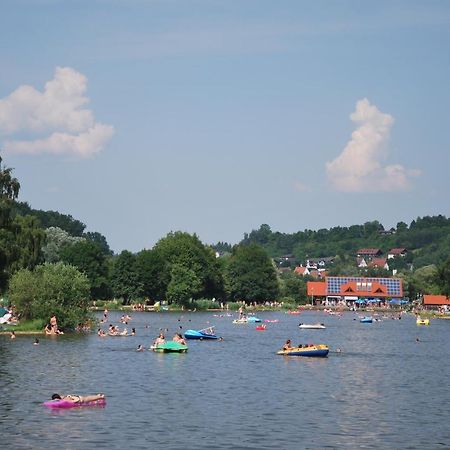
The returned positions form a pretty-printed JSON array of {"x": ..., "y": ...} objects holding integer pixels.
[{"x": 427, "y": 240}]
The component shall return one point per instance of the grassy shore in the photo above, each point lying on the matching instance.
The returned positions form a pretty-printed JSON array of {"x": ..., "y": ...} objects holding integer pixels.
[{"x": 26, "y": 327}]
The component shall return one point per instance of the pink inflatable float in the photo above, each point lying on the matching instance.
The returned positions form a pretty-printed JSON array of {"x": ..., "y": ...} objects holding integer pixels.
[{"x": 68, "y": 404}]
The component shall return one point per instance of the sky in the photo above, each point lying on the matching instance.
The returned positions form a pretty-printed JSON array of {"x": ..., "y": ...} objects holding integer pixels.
[{"x": 142, "y": 117}]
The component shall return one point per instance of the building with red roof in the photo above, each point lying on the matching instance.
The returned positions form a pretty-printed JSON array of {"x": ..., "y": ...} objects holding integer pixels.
[
  {"x": 435, "y": 301},
  {"x": 355, "y": 288}
]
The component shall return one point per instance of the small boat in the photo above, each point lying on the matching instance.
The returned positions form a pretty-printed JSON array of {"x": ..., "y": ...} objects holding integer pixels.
[
  {"x": 170, "y": 347},
  {"x": 260, "y": 327},
  {"x": 271, "y": 321},
  {"x": 320, "y": 350},
  {"x": 253, "y": 319},
  {"x": 207, "y": 333},
  {"x": 367, "y": 319},
  {"x": 420, "y": 321},
  {"x": 296, "y": 313},
  {"x": 314, "y": 326}
]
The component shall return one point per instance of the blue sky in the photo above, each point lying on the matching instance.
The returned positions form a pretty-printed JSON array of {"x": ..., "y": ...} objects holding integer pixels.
[{"x": 143, "y": 117}]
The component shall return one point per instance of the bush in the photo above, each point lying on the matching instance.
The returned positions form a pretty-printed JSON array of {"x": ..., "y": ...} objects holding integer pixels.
[{"x": 51, "y": 289}]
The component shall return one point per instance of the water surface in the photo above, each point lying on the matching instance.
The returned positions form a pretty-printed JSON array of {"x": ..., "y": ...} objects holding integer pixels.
[{"x": 384, "y": 390}]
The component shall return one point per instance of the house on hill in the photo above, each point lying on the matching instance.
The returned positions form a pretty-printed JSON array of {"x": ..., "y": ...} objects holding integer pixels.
[
  {"x": 300, "y": 270},
  {"x": 369, "y": 253},
  {"x": 285, "y": 260},
  {"x": 379, "y": 263},
  {"x": 319, "y": 263},
  {"x": 361, "y": 263},
  {"x": 396, "y": 252}
]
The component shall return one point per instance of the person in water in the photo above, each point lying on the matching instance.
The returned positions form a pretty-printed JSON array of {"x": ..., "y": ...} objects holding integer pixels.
[
  {"x": 140, "y": 348},
  {"x": 78, "y": 398}
]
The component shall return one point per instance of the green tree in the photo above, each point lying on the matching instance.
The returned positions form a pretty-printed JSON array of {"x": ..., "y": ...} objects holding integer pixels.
[
  {"x": 293, "y": 286},
  {"x": 29, "y": 237},
  {"x": 9, "y": 191},
  {"x": 56, "y": 239},
  {"x": 187, "y": 250},
  {"x": 125, "y": 280},
  {"x": 443, "y": 277},
  {"x": 152, "y": 274},
  {"x": 184, "y": 285},
  {"x": 51, "y": 289},
  {"x": 90, "y": 259},
  {"x": 251, "y": 275},
  {"x": 100, "y": 240}
]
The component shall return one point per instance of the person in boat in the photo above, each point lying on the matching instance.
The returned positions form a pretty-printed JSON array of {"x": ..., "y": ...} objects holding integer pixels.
[
  {"x": 133, "y": 332},
  {"x": 101, "y": 333},
  {"x": 160, "y": 340},
  {"x": 287, "y": 345},
  {"x": 178, "y": 338},
  {"x": 78, "y": 398}
]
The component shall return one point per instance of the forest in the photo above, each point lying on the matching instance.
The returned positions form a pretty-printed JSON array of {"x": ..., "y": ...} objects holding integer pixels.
[{"x": 48, "y": 262}]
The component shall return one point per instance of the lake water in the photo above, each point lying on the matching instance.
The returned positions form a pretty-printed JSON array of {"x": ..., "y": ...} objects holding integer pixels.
[{"x": 384, "y": 390}]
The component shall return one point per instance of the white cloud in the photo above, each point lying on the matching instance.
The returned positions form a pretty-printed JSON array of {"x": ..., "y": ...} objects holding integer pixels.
[
  {"x": 58, "y": 113},
  {"x": 84, "y": 144},
  {"x": 360, "y": 167}
]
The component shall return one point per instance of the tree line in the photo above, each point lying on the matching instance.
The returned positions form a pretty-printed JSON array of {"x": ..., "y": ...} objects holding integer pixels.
[{"x": 49, "y": 262}]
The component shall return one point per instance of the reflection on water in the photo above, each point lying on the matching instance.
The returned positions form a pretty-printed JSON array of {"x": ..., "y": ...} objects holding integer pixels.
[{"x": 385, "y": 390}]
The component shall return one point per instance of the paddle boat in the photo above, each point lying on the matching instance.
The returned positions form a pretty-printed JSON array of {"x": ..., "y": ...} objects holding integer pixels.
[
  {"x": 367, "y": 319},
  {"x": 318, "y": 350},
  {"x": 169, "y": 347},
  {"x": 296, "y": 313},
  {"x": 420, "y": 321},
  {"x": 314, "y": 326},
  {"x": 253, "y": 319},
  {"x": 206, "y": 333}
]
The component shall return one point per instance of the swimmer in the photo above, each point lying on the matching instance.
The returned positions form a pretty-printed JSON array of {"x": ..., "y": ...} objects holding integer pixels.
[
  {"x": 140, "y": 348},
  {"x": 13, "y": 334},
  {"x": 78, "y": 398},
  {"x": 36, "y": 341}
]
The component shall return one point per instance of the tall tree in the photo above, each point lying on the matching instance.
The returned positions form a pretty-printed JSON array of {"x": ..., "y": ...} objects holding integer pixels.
[
  {"x": 187, "y": 250},
  {"x": 251, "y": 275},
  {"x": 9, "y": 191},
  {"x": 443, "y": 277},
  {"x": 56, "y": 239},
  {"x": 152, "y": 274},
  {"x": 89, "y": 258},
  {"x": 184, "y": 285},
  {"x": 125, "y": 281}
]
